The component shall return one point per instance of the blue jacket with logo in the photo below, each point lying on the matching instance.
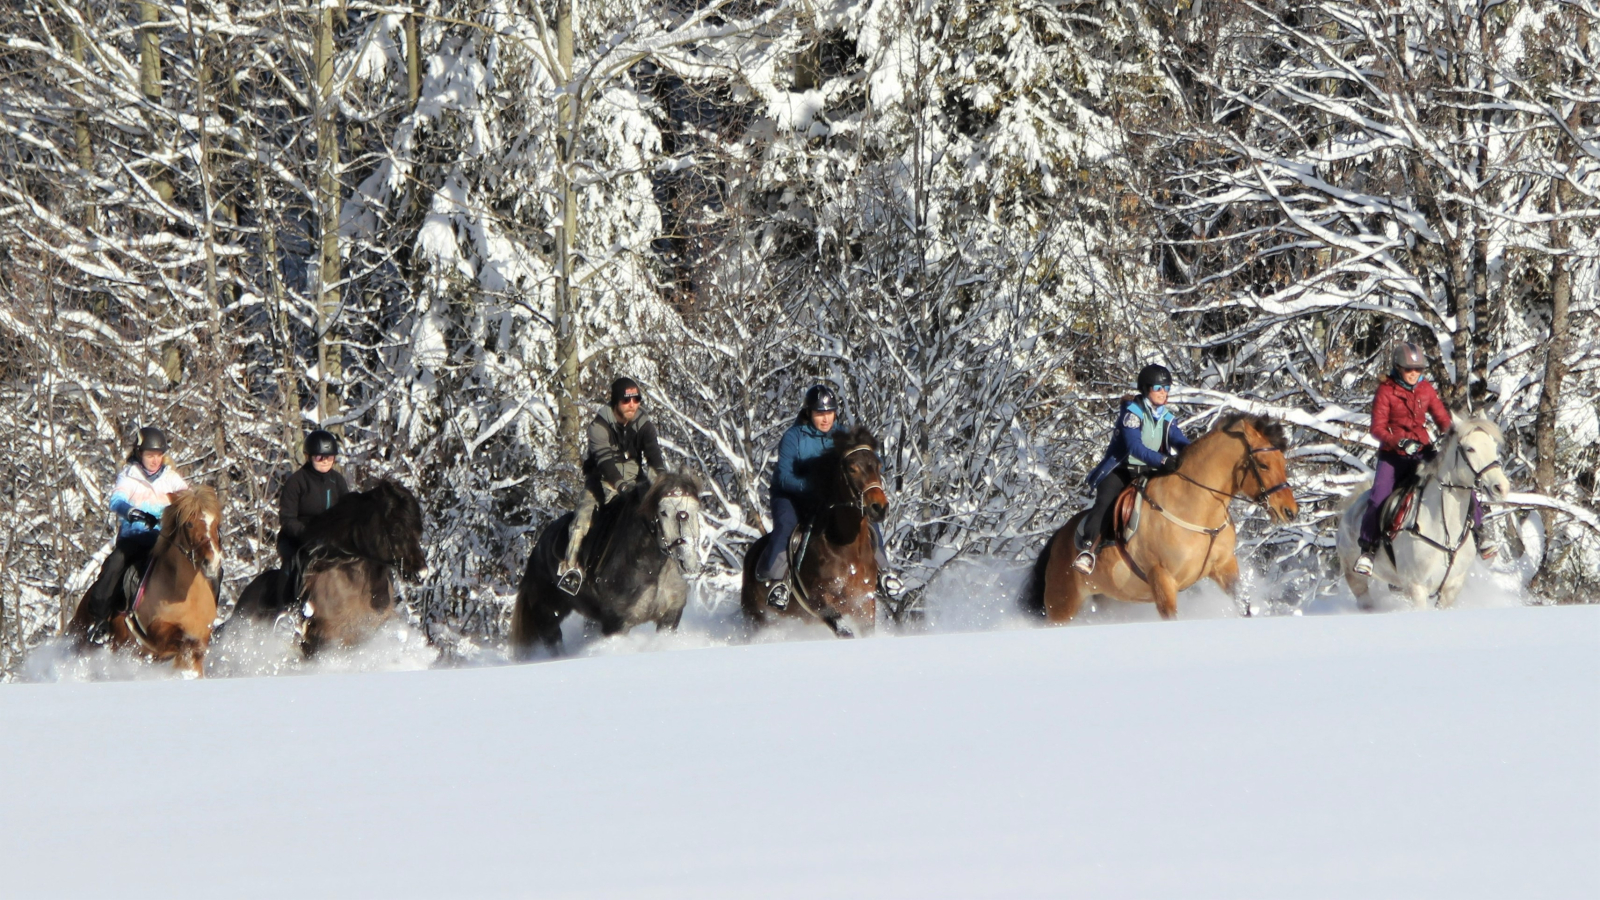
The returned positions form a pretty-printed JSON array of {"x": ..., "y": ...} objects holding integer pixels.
[
  {"x": 802, "y": 444},
  {"x": 1144, "y": 435}
]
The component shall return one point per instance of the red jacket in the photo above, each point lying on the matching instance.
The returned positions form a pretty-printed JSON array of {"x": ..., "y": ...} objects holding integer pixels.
[{"x": 1398, "y": 413}]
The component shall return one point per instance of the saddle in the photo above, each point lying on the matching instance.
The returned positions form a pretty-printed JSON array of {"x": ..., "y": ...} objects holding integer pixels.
[
  {"x": 1400, "y": 508},
  {"x": 1125, "y": 514},
  {"x": 133, "y": 581},
  {"x": 798, "y": 539}
]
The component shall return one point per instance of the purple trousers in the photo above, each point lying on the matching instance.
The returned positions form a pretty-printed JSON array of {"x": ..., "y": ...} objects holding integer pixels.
[{"x": 1392, "y": 467}]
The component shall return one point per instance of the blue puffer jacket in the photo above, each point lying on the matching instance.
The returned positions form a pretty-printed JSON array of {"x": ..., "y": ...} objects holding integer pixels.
[
  {"x": 1143, "y": 435},
  {"x": 802, "y": 444}
]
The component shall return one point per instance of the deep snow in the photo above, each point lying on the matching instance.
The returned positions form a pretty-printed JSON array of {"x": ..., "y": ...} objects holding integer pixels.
[{"x": 1445, "y": 754}]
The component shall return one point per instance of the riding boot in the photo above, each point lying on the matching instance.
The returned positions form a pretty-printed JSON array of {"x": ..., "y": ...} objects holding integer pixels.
[
  {"x": 1488, "y": 547},
  {"x": 1363, "y": 564}
]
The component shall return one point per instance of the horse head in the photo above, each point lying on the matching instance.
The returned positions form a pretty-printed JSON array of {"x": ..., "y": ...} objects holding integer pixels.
[
  {"x": 402, "y": 527},
  {"x": 862, "y": 472},
  {"x": 193, "y": 521},
  {"x": 1471, "y": 455},
  {"x": 1263, "y": 471},
  {"x": 672, "y": 507}
]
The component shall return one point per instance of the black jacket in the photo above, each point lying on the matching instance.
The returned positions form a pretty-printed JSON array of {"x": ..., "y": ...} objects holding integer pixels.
[
  {"x": 611, "y": 443},
  {"x": 306, "y": 495}
]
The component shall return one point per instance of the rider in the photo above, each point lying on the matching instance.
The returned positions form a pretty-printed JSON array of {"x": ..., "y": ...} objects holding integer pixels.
[
  {"x": 621, "y": 439},
  {"x": 1145, "y": 441},
  {"x": 1400, "y": 410},
  {"x": 312, "y": 490},
  {"x": 142, "y": 491},
  {"x": 792, "y": 490}
]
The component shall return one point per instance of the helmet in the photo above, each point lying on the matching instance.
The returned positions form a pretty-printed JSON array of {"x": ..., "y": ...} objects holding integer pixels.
[
  {"x": 621, "y": 386},
  {"x": 1153, "y": 375},
  {"x": 1409, "y": 356},
  {"x": 151, "y": 439},
  {"x": 821, "y": 398},
  {"x": 321, "y": 443}
]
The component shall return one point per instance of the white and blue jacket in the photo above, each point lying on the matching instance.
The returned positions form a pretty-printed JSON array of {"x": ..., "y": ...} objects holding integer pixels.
[
  {"x": 1143, "y": 435},
  {"x": 138, "y": 489}
]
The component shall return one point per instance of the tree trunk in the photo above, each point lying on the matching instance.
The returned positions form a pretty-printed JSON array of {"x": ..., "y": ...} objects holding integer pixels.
[
  {"x": 80, "y": 135},
  {"x": 150, "y": 81},
  {"x": 567, "y": 312},
  {"x": 329, "y": 362},
  {"x": 413, "y": 60}
]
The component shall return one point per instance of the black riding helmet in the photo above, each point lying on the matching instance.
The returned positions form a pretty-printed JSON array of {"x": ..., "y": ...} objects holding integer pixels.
[
  {"x": 620, "y": 388},
  {"x": 821, "y": 398},
  {"x": 1152, "y": 375},
  {"x": 149, "y": 439},
  {"x": 321, "y": 443}
]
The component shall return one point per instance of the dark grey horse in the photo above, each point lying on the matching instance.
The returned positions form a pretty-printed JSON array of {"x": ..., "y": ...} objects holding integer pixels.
[{"x": 641, "y": 545}]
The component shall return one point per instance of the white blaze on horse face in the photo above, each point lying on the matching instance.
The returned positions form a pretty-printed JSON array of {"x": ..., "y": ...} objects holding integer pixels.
[
  {"x": 213, "y": 563},
  {"x": 680, "y": 530}
]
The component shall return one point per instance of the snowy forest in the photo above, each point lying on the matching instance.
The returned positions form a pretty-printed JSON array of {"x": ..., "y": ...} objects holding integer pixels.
[{"x": 440, "y": 228}]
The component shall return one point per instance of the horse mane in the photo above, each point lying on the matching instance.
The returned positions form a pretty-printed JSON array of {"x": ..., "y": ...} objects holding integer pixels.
[
  {"x": 665, "y": 484},
  {"x": 186, "y": 507},
  {"x": 847, "y": 440},
  {"x": 381, "y": 523},
  {"x": 1266, "y": 426}
]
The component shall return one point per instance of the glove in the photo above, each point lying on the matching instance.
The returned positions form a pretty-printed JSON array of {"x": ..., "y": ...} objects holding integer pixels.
[
  {"x": 1169, "y": 465},
  {"x": 1410, "y": 447},
  {"x": 139, "y": 515}
]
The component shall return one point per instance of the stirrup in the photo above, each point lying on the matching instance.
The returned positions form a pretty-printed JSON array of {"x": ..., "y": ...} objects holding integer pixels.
[
  {"x": 1085, "y": 562},
  {"x": 571, "y": 581},
  {"x": 1363, "y": 564},
  {"x": 889, "y": 585},
  {"x": 778, "y": 595}
]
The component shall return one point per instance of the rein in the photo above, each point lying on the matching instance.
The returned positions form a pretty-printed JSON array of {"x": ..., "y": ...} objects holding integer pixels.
[{"x": 1416, "y": 529}]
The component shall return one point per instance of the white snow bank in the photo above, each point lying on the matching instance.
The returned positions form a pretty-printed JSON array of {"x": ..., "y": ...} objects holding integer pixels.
[{"x": 1419, "y": 755}]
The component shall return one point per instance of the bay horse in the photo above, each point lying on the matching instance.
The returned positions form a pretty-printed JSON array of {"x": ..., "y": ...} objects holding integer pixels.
[
  {"x": 1185, "y": 531},
  {"x": 1428, "y": 560},
  {"x": 172, "y": 617},
  {"x": 347, "y": 586},
  {"x": 836, "y": 578},
  {"x": 642, "y": 544}
]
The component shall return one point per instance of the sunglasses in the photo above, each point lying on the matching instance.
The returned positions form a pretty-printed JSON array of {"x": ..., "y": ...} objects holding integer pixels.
[
  {"x": 632, "y": 398},
  {"x": 1159, "y": 387},
  {"x": 319, "y": 457}
]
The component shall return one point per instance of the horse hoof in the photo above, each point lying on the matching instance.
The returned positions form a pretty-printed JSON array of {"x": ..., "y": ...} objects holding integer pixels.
[{"x": 843, "y": 630}]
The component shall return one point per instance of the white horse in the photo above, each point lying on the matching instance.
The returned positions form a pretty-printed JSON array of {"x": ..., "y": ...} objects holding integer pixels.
[{"x": 1431, "y": 559}]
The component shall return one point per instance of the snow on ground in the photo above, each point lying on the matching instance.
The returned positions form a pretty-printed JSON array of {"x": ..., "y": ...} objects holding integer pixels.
[{"x": 1434, "y": 754}]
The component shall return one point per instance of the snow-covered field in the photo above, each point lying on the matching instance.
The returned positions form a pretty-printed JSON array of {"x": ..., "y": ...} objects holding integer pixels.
[{"x": 1448, "y": 754}]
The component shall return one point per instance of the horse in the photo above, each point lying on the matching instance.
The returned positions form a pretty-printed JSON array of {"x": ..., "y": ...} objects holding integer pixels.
[
  {"x": 642, "y": 544},
  {"x": 1429, "y": 559},
  {"x": 347, "y": 582},
  {"x": 171, "y": 618},
  {"x": 1186, "y": 533},
  {"x": 836, "y": 577}
]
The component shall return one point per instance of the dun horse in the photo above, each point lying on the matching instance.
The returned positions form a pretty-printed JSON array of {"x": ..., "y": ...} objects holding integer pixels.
[
  {"x": 1185, "y": 532},
  {"x": 172, "y": 618},
  {"x": 641, "y": 545},
  {"x": 1428, "y": 560},
  {"x": 347, "y": 586},
  {"x": 836, "y": 577}
]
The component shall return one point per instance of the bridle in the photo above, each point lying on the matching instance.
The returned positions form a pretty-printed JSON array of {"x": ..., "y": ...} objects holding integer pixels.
[
  {"x": 860, "y": 502},
  {"x": 1477, "y": 474},
  {"x": 1266, "y": 492},
  {"x": 660, "y": 530}
]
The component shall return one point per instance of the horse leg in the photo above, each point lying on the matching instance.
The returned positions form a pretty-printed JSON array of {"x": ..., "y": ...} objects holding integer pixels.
[
  {"x": 1361, "y": 586},
  {"x": 1063, "y": 593},
  {"x": 1165, "y": 589}
]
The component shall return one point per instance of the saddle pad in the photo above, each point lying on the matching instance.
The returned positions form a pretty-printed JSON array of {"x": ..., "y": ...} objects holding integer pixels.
[{"x": 1398, "y": 512}]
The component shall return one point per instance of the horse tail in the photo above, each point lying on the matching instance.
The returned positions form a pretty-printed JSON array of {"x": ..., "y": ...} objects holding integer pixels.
[{"x": 1032, "y": 599}]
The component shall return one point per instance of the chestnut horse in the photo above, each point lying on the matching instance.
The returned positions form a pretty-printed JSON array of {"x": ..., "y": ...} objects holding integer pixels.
[
  {"x": 836, "y": 579},
  {"x": 172, "y": 618},
  {"x": 347, "y": 589},
  {"x": 1186, "y": 532}
]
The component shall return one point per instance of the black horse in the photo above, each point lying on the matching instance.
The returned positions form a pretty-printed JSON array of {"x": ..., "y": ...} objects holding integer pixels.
[
  {"x": 626, "y": 553},
  {"x": 346, "y": 562}
]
